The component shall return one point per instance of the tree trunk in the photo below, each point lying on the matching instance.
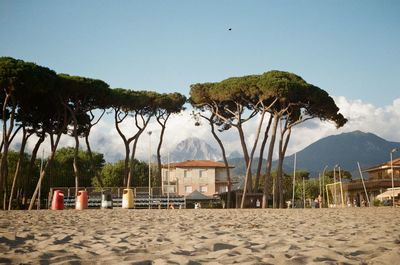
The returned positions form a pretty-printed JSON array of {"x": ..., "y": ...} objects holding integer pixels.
[
  {"x": 282, "y": 152},
  {"x": 10, "y": 138},
  {"x": 261, "y": 156},
  {"x": 18, "y": 195},
  {"x": 28, "y": 177},
  {"x": 278, "y": 175},
  {"x": 228, "y": 173},
  {"x": 126, "y": 165},
  {"x": 6, "y": 142},
  {"x": 54, "y": 145},
  {"x": 245, "y": 154},
  {"x": 92, "y": 165},
  {"x": 132, "y": 159},
  {"x": 43, "y": 172},
  {"x": 269, "y": 161},
  {"x": 75, "y": 161},
  {"x": 126, "y": 144},
  {"x": 248, "y": 170},
  {"x": 19, "y": 166},
  {"x": 76, "y": 171},
  {"x": 159, "y": 178},
  {"x": 136, "y": 139},
  {"x": 132, "y": 163},
  {"x": 89, "y": 149}
]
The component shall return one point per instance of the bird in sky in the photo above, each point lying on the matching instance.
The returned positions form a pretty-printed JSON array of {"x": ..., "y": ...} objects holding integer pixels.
[{"x": 230, "y": 29}]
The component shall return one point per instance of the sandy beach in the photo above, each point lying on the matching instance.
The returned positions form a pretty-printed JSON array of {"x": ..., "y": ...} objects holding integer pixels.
[{"x": 203, "y": 236}]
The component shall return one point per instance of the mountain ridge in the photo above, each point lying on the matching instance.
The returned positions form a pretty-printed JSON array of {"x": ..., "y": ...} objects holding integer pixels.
[
  {"x": 345, "y": 149},
  {"x": 194, "y": 149}
]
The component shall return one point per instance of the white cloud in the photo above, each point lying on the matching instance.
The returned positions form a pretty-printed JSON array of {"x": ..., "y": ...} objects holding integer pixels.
[
  {"x": 365, "y": 117},
  {"x": 382, "y": 121}
]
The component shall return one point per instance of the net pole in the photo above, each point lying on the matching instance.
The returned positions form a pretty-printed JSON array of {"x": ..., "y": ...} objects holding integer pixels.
[
  {"x": 323, "y": 185},
  {"x": 341, "y": 187},
  {"x": 341, "y": 191},
  {"x": 334, "y": 187},
  {"x": 294, "y": 179},
  {"x": 365, "y": 189},
  {"x": 327, "y": 195}
]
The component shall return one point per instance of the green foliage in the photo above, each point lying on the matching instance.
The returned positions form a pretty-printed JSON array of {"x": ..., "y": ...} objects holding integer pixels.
[
  {"x": 377, "y": 202},
  {"x": 39, "y": 99},
  {"x": 23, "y": 78},
  {"x": 12, "y": 160},
  {"x": 25, "y": 183},
  {"x": 311, "y": 189},
  {"x": 112, "y": 174},
  {"x": 62, "y": 174},
  {"x": 82, "y": 92},
  {"x": 290, "y": 90},
  {"x": 346, "y": 175},
  {"x": 141, "y": 174},
  {"x": 170, "y": 103},
  {"x": 127, "y": 100},
  {"x": 28, "y": 83}
]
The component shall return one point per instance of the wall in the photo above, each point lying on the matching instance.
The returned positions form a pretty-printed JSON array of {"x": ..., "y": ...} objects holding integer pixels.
[{"x": 209, "y": 181}]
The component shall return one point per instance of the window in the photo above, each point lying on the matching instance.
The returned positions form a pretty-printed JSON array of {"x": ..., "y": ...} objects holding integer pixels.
[
  {"x": 166, "y": 175},
  {"x": 222, "y": 189},
  {"x": 188, "y": 189},
  {"x": 202, "y": 173},
  {"x": 186, "y": 173},
  {"x": 203, "y": 189}
]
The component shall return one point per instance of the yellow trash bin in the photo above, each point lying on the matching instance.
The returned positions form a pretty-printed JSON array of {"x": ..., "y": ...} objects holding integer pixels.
[{"x": 127, "y": 199}]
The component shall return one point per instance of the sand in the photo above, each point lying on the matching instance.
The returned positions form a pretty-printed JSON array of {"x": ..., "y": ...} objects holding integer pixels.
[{"x": 202, "y": 236}]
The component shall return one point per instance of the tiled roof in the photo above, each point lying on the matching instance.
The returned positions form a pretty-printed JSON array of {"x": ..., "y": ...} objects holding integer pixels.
[
  {"x": 396, "y": 164},
  {"x": 197, "y": 163}
]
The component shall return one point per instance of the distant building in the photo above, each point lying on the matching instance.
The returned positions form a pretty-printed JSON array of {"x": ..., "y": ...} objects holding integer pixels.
[
  {"x": 384, "y": 171},
  {"x": 379, "y": 180},
  {"x": 206, "y": 176}
]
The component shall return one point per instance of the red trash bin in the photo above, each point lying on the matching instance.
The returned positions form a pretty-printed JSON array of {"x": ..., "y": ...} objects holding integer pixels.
[
  {"x": 58, "y": 200},
  {"x": 81, "y": 200}
]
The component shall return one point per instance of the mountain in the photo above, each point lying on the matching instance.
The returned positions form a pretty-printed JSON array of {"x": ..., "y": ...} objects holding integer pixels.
[
  {"x": 345, "y": 149},
  {"x": 194, "y": 149},
  {"x": 234, "y": 154}
]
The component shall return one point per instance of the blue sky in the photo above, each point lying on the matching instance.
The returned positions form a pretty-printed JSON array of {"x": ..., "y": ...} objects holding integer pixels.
[
  {"x": 348, "y": 48},
  {"x": 351, "y": 49}
]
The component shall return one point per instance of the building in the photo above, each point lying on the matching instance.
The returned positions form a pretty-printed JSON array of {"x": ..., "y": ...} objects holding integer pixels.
[
  {"x": 384, "y": 171},
  {"x": 378, "y": 181},
  {"x": 206, "y": 176}
]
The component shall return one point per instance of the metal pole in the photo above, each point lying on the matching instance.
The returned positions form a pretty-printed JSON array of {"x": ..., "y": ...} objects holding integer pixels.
[
  {"x": 168, "y": 183},
  {"x": 319, "y": 198},
  {"x": 304, "y": 195},
  {"x": 362, "y": 179},
  {"x": 391, "y": 166},
  {"x": 40, "y": 182},
  {"x": 341, "y": 191},
  {"x": 149, "y": 133},
  {"x": 323, "y": 185},
  {"x": 341, "y": 187},
  {"x": 294, "y": 178},
  {"x": 334, "y": 186},
  {"x": 327, "y": 195}
]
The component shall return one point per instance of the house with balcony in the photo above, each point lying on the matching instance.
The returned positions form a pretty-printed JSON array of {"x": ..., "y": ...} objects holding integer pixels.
[
  {"x": 206, "y": 176},
  {"x": 379, "y": 180}
]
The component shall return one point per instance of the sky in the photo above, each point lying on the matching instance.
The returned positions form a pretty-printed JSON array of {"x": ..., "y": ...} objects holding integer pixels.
[{"x": 351, "y": 49}]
